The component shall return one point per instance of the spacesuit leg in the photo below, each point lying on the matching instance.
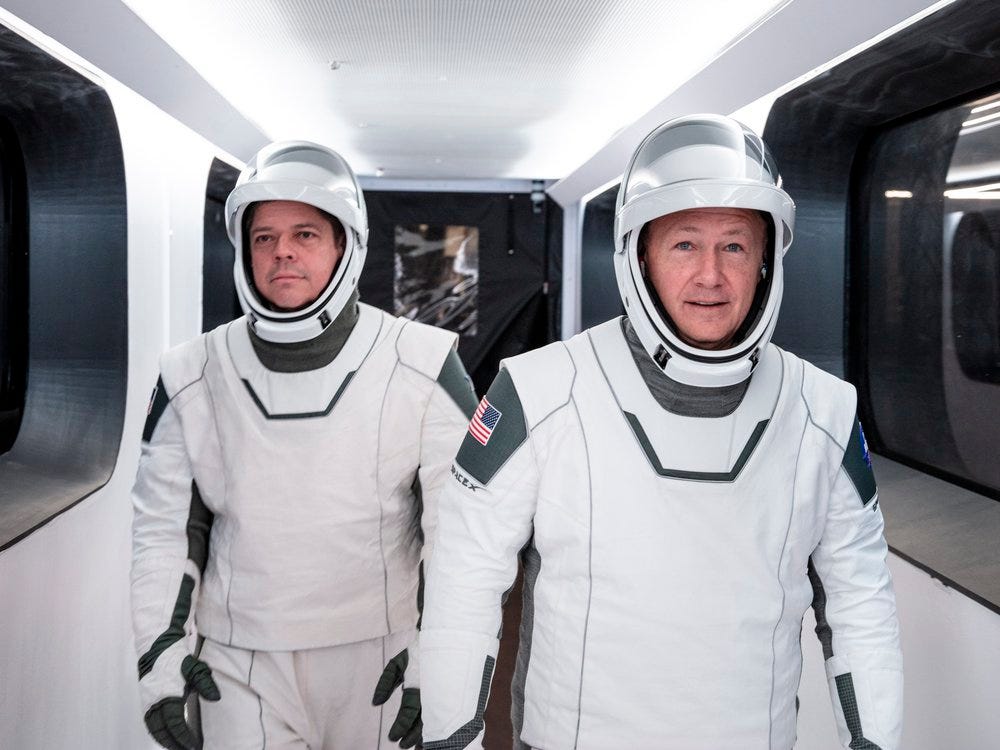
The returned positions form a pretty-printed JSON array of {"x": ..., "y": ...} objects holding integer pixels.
[
  {"x": 260, "y": 705},
  {"x": 336, "y": 685}
]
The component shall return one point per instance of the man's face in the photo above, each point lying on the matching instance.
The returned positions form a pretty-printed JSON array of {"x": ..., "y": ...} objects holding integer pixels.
[
  {"x": 293, "y": 252},
  {"x": 704, "y": 264}
]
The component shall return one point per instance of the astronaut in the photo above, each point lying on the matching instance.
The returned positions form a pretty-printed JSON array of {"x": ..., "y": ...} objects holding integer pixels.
[
  {"x": 682, "y": 490},
  {"x": 289, "y": 467}
]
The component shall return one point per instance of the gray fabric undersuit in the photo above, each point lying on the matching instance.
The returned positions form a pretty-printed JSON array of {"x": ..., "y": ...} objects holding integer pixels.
[
  {"x": 300, "y": 356},
  {"x": 678, "y": 398}
]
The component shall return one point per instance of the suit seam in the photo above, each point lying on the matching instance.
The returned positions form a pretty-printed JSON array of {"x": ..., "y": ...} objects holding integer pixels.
[
  {"x": 260, "y": 701},
  {"x": 381, "y": 708},
  {"x": 528, "y": 430},
  {"x": 590, "y": 574},
  {"x": 404, "y": 363},
  {"x": 561, "y": 405},
  {"x": 378, "y": 486},
  {"x": 781, "y": 586},
  {"x": 225, "y": 492},
  {"x": 201, "y": 375},
  {"x": 817, "y": 425},
  {"x": 423, "y": 418},
  {"x": 378, "y": 496}
]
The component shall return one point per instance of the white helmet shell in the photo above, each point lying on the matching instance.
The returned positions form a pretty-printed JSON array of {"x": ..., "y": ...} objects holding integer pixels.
[
  {"x": 316, "y": 175},
  {"x": 699, "y": 161}
]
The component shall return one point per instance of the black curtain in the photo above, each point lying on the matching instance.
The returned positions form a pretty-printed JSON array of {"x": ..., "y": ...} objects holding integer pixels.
[{"x": 520, "y": 242}]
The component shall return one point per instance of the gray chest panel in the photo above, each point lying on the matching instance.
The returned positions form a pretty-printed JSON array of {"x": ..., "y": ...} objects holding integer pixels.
[
  {"x": 713, "y": 449},
  {"x": 308, "y": 394}
]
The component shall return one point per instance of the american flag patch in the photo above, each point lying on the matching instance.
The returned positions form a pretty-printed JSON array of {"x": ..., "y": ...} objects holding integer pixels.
[{"x": 484, "y": 421}]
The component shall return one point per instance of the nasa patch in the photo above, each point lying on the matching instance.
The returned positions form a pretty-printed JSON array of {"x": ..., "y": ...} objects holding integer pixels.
[
  {"x": 858, "y": 464},
  {"x": 864, "y": 446}
]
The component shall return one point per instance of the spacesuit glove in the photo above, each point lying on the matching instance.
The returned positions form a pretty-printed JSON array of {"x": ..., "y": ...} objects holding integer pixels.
[
  {"x": 408, "y": 726},
  {"x": 165, "y": 717}
]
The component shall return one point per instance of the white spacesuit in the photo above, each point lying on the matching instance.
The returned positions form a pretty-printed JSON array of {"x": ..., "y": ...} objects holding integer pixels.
[
  {"x": 289, "y": 466},
  {"x": 679, "y": 508}
]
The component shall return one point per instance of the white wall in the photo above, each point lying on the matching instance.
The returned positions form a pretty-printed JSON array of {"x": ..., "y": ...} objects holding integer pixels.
[
  {"x": 67, "y": 660},
  {"x": 951, "y": 663},
  {"x": 67, "y": 666}
]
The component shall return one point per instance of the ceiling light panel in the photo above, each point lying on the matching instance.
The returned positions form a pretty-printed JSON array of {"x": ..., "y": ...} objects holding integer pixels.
[{"x": 506, "y": 88}]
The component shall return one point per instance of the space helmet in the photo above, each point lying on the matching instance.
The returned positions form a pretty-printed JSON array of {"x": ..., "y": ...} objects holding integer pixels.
[
  {"x": 316, "y": 175},
  {"x": 700, "y": 161}
]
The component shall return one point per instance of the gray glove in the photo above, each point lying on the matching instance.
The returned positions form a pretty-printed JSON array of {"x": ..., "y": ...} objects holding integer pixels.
[
  {"x": 408, "y": 726},
  {"x": 165, "y": 718}
]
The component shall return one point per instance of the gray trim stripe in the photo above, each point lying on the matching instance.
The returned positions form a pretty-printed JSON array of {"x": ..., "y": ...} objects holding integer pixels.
[
  {"x": 199, "y": 529},
  {"x": 157, "y": 405},
  {"x": 531, "y": 561},
  {"x": 823, "y": 630},
  {"x": 454, "y": 380},
  {"x": 378, "y": 486},
  {"x": 590, "y": 571},
  {"x": 174, "y": 631},
  {"x": 260, "y": 702},
  {"x": 703, "y": 476},
  {"x": 381, "y": 706},
  {"x": 784, "y": 598},
  {"x": 569, "y": 393},
  {"x": 300, "y": 415},
  {"x": 421, "y": 582},
  {"x": 466, "y": 734},
  {"x": 849, "y": 705}
]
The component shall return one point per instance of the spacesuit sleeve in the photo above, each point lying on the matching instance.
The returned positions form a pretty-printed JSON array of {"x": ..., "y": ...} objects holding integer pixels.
[
  {"x": 451, "y": 406},
  {"x": 170, "y": 532},
  {"x": 484, "y": 518},
  {"x": 856, "y": 609}
]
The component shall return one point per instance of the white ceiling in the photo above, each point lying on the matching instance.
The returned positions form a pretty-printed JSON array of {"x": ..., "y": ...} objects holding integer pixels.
[{"x": 450, "y": 89}]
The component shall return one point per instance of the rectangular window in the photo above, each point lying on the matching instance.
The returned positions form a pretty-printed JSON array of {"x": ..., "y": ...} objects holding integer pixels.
[
  {"x": 13, "y": 288},
  {"x": 600, "y": 299},
  {"x": 64, "y": 342},
  {"x": 219, "y": 303},
  {"x": 931, "y": 272},
  {"x": 436, "y": 277}
]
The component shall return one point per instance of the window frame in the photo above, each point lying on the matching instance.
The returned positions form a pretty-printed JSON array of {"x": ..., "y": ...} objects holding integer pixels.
[
  {"x": 77, "y": 293},
  {"x": 14, "y": 281}
]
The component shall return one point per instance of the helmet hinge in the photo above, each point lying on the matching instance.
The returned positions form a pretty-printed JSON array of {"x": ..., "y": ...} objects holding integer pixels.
[
  {"x": 324, "y": 319},
  {"x": 661, "y": 356}
]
